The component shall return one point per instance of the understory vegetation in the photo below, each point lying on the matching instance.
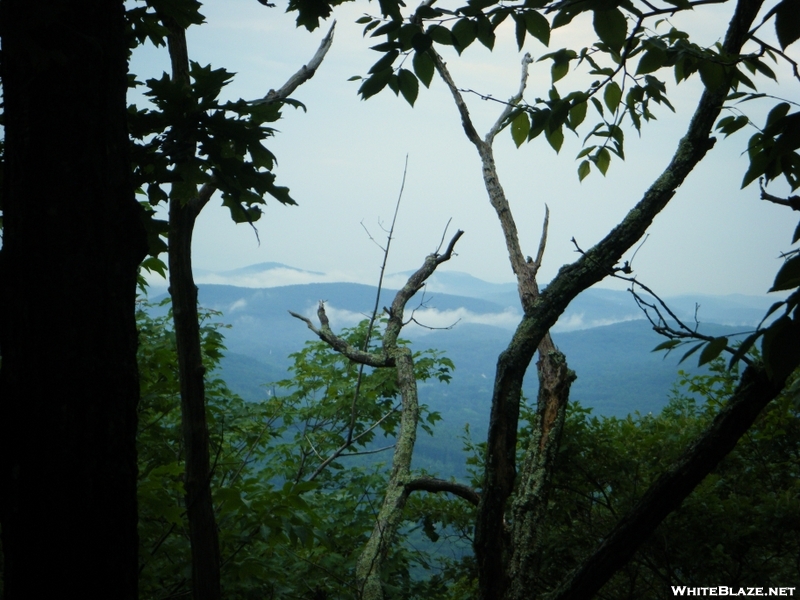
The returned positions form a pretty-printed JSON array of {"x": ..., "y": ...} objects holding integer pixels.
[{"x": 288, "y": 531}]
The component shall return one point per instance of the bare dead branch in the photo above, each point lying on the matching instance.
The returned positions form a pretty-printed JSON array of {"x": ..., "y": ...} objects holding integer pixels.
[
  {"x": 380, "y": 359},
  {"x": 542, "y": 242},
  {"x": 466, "y": 119},
  {"x": 435, "y": 485},
  {"x": 662, "y": 326},
  {"x": 305, "y": 73},
  {"x": 512, "y": 103},
  {"x": 792, "y": 202}
]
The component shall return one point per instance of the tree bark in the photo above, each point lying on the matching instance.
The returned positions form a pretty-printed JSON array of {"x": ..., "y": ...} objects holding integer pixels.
[
  {"x": 185, "y": 205},
  {"x": 572, "y": 279},
  {"x": 72, "y": 242},
  {"x": 529, "y": 506}
]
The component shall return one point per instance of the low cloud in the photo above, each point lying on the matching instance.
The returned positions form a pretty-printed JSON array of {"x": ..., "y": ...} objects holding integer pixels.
[
  {"x": 576, "y": 321},
  {"x": 239, "y": 304},
  {"x": 277, "y": 277},
  {"x": 439, "y": 319},
  {"x": 424, "y": 318}
]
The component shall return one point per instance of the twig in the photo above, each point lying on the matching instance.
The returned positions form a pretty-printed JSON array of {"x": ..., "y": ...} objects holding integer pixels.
[
  {"x": 666, "y": 330},
  {"x": 338, "y": 452},
  {"x": 444, "y": 233},
  {"x": 542, "y": 242},
  {"x": 792, "y": 202},
  {"x": 363, "y": 452},
  {"x": 413, "y": 320}
]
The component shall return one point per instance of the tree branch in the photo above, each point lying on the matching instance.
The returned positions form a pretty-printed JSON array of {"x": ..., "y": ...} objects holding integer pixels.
[
  {"x": 435, "y": 485},
  {"x": 792, "y": 202},
  {"x": 338, "y": 344},
  {"x": 515, "y": 99},
  {"x": 305, "y": 73}
]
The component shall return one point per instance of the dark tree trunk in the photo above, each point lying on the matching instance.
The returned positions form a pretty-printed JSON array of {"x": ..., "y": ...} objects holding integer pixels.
[
  {"x": 72, "y": 242},
  {"x": 185, "y": 205},
  {"x": 199, "y": 504}
]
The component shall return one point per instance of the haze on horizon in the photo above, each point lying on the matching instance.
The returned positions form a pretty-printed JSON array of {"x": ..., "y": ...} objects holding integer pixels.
[{"x": 344, "y": 161}]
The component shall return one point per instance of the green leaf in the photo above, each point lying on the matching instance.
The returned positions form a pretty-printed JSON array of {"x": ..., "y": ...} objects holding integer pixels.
[
  {"x": 465, "y": 31},
  {"x": 778, "y": 112},
  {"x": 602, "y": 160},
  {"x": 409, "y": 85},
  {"x": 555, "y": 138},
  {"x": 385, "y": 61},
  {"x": 583, "y": 170},
  {"x": 668, "y": 345},
  {"x": 652, "y": 60},
  {"x": 598, "y": 106},
  {"x": 520, "y": 127},
  {"x": 746, "y": 344},
  {"x": 731, "y": 124},
  {"x": 421, "y": 42},
  {"x": 485, "y": 32},
  {"x": 423, "y": 67},
  {"x": 788, "y": 276},
  {"x": 440, "y": 35},
  {"x": 691, "y": 351},
  {"x": 612, "y": 95},
  {"x": 559, "y": 70},
  {"x": 520, "y": 29},
  {"x": 764, "y": 69},
  {"x": 387, "y": 28},
  {"x": 611, "y": 27},
  {"x": 712, "y": 350},
  {"x": 577, "y": 114},
  {"x": 780, "y": 348},
  {"x": 375, "y": 83},
  {"x": 538, "y": 26},
  {"x": 394, "y": 84},
  {"x": 787, "y": 23},
  {"x": 712, "y": 74}
]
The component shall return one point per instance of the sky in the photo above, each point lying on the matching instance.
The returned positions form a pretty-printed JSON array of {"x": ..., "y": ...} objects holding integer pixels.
[{"x": 344, "y": 161}]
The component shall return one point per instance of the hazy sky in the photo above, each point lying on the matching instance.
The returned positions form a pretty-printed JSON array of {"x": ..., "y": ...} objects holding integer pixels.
[{"x": 343, "y": 161}]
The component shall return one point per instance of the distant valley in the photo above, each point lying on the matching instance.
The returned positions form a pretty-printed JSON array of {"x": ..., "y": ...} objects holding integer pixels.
[{"x": 603, "y": 334}]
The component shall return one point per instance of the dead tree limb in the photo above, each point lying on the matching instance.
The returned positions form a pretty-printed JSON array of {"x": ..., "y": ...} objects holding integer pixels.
[{"x": 541, "y": 310}]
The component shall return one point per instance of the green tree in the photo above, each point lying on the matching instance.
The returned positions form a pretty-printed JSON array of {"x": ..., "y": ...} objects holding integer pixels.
[
  {"x": 197, "y": 145},
  {"x": 287, "y": 529},
  {"x": 738, "y": 526}
]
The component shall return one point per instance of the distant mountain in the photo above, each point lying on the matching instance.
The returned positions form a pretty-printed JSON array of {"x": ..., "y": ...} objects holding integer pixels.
[
  {"x": 617, "y": 371},
  {"x": 259, "y": 268},
  {"x": 593, "y": 308},
  {"x": 603, "y": 334}
]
